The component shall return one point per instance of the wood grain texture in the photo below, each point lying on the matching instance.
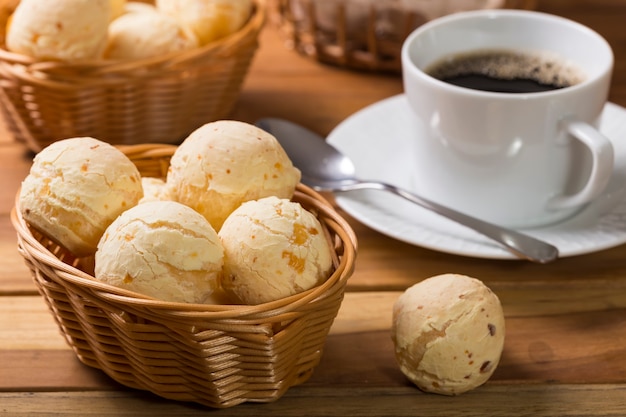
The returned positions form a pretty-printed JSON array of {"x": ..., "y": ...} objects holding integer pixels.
[
  {"x": 582, "y": 342},
  {"x": 493, "y": 400}
]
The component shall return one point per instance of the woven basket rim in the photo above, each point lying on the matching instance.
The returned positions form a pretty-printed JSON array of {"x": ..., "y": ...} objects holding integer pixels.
[
  {"x": 104, "y": 66},
  {"x": 74, "y": 275},
  {"x": 308, "y": 30}
]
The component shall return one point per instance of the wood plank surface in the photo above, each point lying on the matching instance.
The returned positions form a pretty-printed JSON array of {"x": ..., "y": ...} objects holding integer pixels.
[
  {"x": 493, "y": 400},
  {"x": 575, "y": 342}
]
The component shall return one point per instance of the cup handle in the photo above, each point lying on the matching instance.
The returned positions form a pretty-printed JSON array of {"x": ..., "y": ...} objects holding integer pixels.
[{"x": 601, "y": 170}]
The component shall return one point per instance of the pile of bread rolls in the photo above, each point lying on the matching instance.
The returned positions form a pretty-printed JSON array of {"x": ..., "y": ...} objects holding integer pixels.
[
  {"x": 221, "y": 222},
  {"x": 79, "y": 30}
]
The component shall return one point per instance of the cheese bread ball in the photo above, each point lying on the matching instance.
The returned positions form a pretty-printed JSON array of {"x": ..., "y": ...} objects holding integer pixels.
[
  {"x": 66, "y": 30},
  {"x": 225, "y": 163},
  {"x": 208, "y": 19},
  {"x": 448, "y": 333},
  {"x": 118, "y": 8},
  {"x": 154, "y": 189},
  {"x": 76, "y": 187},
  {"x": 273, "y": 248},
  {"x": 146, "y": 34},
  {"x": 138, "y": 6},
  {"x": 162, "y": 249}
]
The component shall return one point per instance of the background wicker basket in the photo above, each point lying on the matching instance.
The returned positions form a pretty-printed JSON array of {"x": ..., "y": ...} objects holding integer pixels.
[
  {"x": 363, "y": 34},
  {"x": 216, "y": 355},
  {"x": 154, "y": 100}
]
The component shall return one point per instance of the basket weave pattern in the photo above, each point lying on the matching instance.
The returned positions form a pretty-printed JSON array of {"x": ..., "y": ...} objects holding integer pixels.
[
  {"x": 356, "y": 34},
  {"x": 215, "y": 355},
  {"x": 152, "y": 100}
]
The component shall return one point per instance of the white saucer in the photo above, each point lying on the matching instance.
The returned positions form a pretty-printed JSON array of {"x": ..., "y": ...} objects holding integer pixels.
[{"x": 376, "y": 138}]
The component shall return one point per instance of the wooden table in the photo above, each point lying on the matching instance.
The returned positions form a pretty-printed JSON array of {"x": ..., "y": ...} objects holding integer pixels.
[{"x": 565, "y": 350}]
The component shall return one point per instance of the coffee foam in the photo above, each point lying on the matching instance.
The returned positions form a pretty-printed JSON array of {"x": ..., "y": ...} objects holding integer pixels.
[{"x": 540, "y": 67}]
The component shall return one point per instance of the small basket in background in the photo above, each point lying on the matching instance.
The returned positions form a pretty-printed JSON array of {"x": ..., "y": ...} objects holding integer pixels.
[
  {"x": 364, "y": 34},
  {"x": 215, "y": 355},
  {"x": 152, "y": 100}
]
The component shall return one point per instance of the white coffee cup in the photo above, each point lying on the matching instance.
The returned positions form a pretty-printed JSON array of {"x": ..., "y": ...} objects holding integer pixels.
[{"x": 516, "y": 159}]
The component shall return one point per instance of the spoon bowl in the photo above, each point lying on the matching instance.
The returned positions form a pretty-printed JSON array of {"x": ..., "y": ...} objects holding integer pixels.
[
  {"x": 318, "y": 160},
  {"x": 324, "y": 168}
]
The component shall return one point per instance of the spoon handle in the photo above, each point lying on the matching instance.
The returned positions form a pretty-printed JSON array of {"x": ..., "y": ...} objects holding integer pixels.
[{"x": 520, "y": 244}]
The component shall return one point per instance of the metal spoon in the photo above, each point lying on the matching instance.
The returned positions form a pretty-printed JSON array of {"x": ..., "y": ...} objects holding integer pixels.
[{"x": 324, "y": 168}]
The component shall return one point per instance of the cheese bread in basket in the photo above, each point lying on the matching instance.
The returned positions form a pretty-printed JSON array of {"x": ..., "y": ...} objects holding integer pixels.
[
  {"x": 217, "y": 353},
  {"x": 158, "y": 98}
]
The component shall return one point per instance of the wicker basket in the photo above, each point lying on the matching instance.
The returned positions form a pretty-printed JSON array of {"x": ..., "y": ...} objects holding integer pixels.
[
  {"x": 153, "y": 100},
  {"x": 362, "y": 34},
  {"x": 216, "y": 355}
]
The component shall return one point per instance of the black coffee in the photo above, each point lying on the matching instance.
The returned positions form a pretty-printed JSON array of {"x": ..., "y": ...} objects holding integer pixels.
[{"x": 506, "y": 72}]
